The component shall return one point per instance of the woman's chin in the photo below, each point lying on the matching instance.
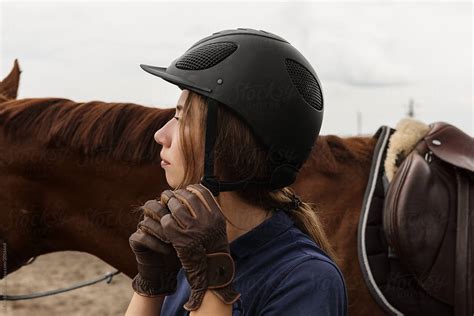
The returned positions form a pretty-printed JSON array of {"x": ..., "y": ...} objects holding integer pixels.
[
  {"x": 171, "y": 182},
  {"x": 172, "y": 178}
]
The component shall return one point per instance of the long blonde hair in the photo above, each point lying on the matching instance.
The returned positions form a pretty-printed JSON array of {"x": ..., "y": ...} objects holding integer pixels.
[{"x": 238, "y": 154}]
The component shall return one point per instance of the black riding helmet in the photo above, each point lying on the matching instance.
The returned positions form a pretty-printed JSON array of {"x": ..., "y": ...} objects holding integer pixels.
[{"x": 264, "y": 80}]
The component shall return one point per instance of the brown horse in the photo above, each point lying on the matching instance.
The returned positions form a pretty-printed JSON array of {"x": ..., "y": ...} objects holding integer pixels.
[{"x": 71, "y": 174}]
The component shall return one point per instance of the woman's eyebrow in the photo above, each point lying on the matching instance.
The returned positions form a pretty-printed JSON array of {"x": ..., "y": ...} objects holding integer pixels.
[{"x": 179, "y": 107}]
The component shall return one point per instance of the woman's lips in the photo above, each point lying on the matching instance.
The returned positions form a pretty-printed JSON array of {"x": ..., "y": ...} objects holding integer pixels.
[{"x": 164, "y": 162}]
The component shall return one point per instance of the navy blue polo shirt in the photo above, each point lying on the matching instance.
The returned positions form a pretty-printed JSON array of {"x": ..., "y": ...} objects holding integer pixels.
[{"x": 279, "y": 271}]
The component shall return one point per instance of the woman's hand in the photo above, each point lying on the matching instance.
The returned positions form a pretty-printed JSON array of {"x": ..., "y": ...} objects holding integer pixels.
[
  {"x": 157, "y": 260},
  {"x": 197, "y": 230}
]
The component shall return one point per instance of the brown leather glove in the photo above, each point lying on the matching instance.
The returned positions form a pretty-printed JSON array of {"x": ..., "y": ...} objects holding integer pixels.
[
  {"x": 197, "y": 229},
  {"x": 157, "y": 261}
]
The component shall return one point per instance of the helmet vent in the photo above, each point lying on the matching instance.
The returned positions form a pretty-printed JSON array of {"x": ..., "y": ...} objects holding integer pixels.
[
  {"x": 205, "y": 56},
  {"x": 306, "y": 83}
]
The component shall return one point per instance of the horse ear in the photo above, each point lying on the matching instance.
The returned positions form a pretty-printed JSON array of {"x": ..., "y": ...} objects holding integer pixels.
[{"x": 9, "y": 85}]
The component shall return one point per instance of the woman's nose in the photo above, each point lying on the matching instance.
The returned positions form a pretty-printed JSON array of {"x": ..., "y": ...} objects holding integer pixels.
[
  {"x": 159, "y": 137},
  {"x": 163, "y": 135}
]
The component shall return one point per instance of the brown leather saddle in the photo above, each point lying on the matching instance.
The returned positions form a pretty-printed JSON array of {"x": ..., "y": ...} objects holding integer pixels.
[{"x": 415, "y": 243}]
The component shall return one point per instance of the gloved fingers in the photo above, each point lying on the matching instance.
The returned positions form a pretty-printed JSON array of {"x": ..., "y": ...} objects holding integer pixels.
[
  {"x": 181, "y": 239},
  {"x": 179, "y": 212},
  {"x": 171, "y": 229},
  {"x": 206, "y": 197},
  {"x": 155, "y": 209},
  {"x": 141, "y": 242},
  {"x": 165, "y": 196},
  {"x": 153, "y": 227},
  {"x": 195, "y": 205}
]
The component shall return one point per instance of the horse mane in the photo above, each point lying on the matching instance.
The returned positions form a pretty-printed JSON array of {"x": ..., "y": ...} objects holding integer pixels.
[
  {"x": 124, "y": 132},
  {"x": 121, "y": 131},
  {"x": 335, "y": 155}
]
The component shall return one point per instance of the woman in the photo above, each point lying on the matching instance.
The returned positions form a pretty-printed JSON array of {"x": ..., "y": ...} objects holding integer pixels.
[{"x": 236, "y": 241}]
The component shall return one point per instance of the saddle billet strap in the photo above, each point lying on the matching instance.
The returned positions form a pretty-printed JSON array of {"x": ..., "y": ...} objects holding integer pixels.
[{"x": 463, "y": 298}]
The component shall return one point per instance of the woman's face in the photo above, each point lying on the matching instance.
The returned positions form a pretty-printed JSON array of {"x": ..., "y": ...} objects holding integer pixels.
[{"x": 171, "y": 153}]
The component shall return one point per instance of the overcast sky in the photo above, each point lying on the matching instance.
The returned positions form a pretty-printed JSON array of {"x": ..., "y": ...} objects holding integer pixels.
[{"x": 371, "y": 57}]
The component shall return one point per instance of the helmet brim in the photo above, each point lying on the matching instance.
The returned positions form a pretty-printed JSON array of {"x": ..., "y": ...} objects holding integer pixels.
[{"x": 182, "y": 83}]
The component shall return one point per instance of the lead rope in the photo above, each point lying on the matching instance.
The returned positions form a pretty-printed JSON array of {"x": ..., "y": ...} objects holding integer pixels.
[{"x": 108, "y": 277}]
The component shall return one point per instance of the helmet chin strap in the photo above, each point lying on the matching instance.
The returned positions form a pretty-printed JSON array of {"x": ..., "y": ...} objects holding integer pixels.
[{"x": 209, "y": 180}]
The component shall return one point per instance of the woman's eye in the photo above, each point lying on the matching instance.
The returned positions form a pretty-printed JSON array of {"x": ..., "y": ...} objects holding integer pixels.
[{"x": 177, "y": 118}]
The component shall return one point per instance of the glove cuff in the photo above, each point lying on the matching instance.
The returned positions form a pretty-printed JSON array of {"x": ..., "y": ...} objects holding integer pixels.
[
  {"x": 227, "y": 294},
  {"x": 220, "y": 275},
  {"x": 195, "y": 299},
  {"x": 147, "y": 288},
  {"x": 220, "y": 269}
]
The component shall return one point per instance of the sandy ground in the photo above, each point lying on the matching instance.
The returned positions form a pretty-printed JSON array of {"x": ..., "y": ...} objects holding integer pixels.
[{"x": 63, "y": 269}]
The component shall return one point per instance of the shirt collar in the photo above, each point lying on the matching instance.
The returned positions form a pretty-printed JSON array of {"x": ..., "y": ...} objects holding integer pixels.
[{"x": 254, "y": 239}]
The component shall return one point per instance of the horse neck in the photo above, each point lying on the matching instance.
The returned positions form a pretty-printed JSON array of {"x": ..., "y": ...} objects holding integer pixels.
[
  {"x": 57, "y": 201},
  {"x": 334, "y": 178}
]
